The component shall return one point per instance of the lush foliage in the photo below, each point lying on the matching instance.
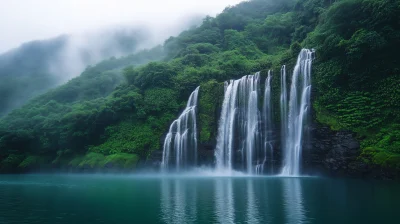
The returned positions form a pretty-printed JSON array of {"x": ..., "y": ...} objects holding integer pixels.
[
  {"x": 37, "y": 66},
  {"x": 67, "y": 121},
  {"x": 97, "y": 160},
  {"x": 103, "y": 117},
  {"x": 209, "y": 104},
  {"x": 357, "y": 73}
]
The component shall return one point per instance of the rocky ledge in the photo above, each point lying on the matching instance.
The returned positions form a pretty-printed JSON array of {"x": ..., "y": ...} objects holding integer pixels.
[{"x": 337, "y": 153}]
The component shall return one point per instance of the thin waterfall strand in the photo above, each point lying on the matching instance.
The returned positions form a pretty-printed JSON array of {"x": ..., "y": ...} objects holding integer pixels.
[
  {"x": 283, "y": 105},
  {"x": 267, "y": 119},
  {"x": 182, "y": 137}
]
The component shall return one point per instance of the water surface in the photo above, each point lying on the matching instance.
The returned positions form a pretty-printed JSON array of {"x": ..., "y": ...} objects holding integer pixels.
[{"x": 195, "y": 199}]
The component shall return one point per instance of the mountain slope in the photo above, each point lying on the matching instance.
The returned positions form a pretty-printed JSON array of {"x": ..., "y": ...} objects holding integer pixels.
[
  {"x": 354, "y": 81},
  {"x": 37, "y": 66}
]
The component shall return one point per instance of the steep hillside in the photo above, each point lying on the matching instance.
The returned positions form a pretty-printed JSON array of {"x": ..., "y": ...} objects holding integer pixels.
[
  {"x": 355, "y": 82},
  {"x": 357, "y": 75},
  {"x": 58, "y": 120},
  {"x": 38, "y": 66}
]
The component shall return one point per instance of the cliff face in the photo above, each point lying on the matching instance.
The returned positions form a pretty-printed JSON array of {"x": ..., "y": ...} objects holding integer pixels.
[
  {"x": 331, "y": 152},
  {"x": 325, "y": 152},
  {"x": 337, "y": 153}
]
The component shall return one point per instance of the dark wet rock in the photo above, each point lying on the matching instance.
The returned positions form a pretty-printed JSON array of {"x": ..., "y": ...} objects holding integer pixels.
[
  {"x": 206, "y": 154},
  {"x": 153, "y": 161},
  {"x": 330, "y": 152},
  {"x": 337, "y": 153}
]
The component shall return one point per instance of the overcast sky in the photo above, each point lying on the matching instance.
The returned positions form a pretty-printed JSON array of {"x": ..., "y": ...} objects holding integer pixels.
[{"x": 25, "y": 20}]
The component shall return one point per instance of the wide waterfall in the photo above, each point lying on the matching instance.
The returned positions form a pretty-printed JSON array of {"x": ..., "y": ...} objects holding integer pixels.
[
  {"x": 299, "y": 108},
  {"x": 239, "y": 131},
  {"x": 181, "y": 140},
  {"x": 246, "y": 138}
]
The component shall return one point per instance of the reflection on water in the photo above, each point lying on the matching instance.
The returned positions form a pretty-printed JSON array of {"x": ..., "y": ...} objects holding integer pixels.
[
  {"x": 178, "y": 203},
  {"x": 224, "y": 204},
  {"x": 166, "y": 202},
  {"x": 293, "y": 201},
  {"x": 252, "y": 208},
  {"x": 233, "y": 200}
]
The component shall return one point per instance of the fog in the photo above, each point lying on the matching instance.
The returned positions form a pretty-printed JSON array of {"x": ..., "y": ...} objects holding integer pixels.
[
  {"x": 92, "y": 46},
  {"x": 25, "y": 20},
  {"x": 73, "y": 34}
]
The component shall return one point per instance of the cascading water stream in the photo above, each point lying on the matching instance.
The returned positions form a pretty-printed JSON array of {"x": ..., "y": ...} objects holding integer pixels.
[
  {"x": 267, "y": 119},
  {"x": 182, "y": 137},
  {"x": 300, "y": 92},
  {"x": 223, "y": 153},
  {"x": 239, "y": 125},
  {"x": 283, "y": 105}
]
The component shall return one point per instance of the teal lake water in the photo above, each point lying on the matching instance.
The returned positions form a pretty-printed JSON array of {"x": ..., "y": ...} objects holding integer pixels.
[{"x": 195, "y": 199}]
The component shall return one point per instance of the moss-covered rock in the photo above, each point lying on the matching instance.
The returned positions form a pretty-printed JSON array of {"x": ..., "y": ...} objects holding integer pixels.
[
  {"x": 10, "y": 163},
  {"x": 132, "y": 137},
  {"x": 98, "y": 161},
  {"x": 381, "y": 157},
  {"x": 210, "y": 100},
  {"x": 121, "y": 160},
  {"x": 31, "y": 162}
]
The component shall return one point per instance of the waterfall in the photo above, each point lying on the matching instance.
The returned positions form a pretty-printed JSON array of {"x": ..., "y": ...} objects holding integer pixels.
[
  {"x": 223, "y": 152},
  {"x": 283, "y": 105},
  {"x": 239, "y": 125},
  {"x": 299, "y": 104},
  {"x": 181, "y": 140},
  {"x": 245, "y": 138},
  {"x": 267, "y": 119}
]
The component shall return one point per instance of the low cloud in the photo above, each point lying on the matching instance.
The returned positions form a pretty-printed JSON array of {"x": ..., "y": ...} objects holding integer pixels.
[{"x": 25, "y": 20}]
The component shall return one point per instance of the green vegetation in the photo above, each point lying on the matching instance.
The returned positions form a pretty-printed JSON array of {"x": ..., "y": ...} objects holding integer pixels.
[
  {"x": 37, "y": 66},
  {"x": 357, "y": 74},
  {"x": 103, "y": 117},
  {"x": 97, "y": 160},
  {"x": 210, "y": 100}
]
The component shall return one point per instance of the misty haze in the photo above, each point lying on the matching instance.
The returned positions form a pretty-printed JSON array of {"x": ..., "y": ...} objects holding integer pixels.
[
  {"x": 212, "y": 111},
  {"x": 80, "y": 39}
]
